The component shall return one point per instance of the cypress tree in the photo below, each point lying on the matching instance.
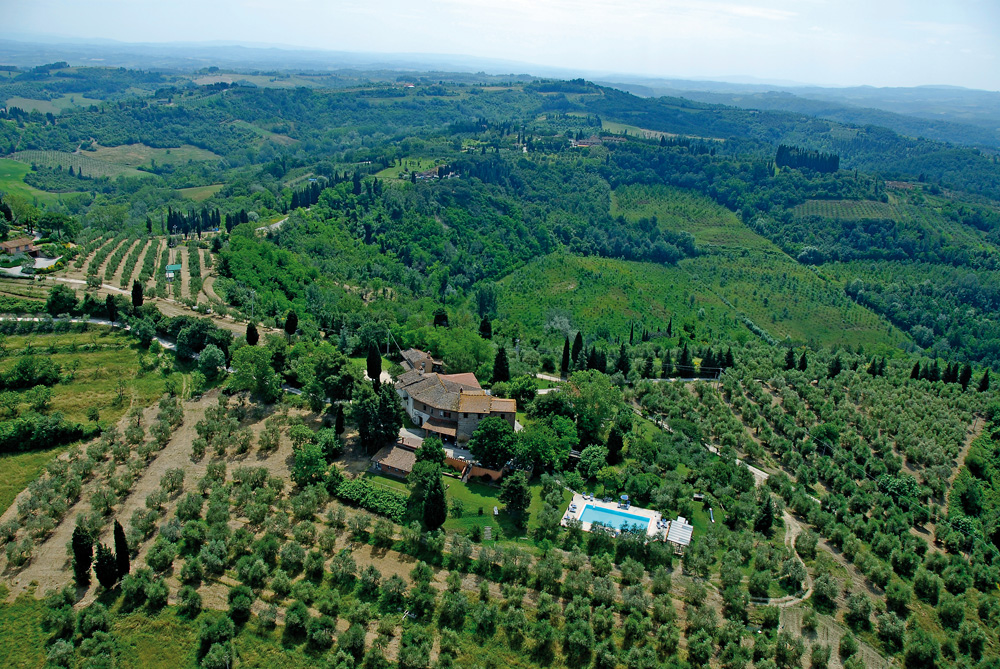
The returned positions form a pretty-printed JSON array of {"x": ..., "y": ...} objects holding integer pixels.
[
  {"x": 564, "y": 365},
  {"x": 631, "y": 335},
  {"x": 708, "y": 364},
  {"x": 934, "y": 372},
  {"x": 803, "y": 362},
  {"x": 486, "y": 328},
  {"x": 789, "y": 359},
  {"x": 577, "y": 346},
  {"x": 136, "y": 295},
  {"x": 374, "y": 366},
  {"x": 730, "y": 360},
  {"x": 501, "y": 367},
  {"x": 667, "y": 366},
  {"x": 106, "y": 567},
  {"x": 435, "y": 506},
  {"x": 83, "y": 555},
  {"x": 623, "y": 365},
  {"x": 836, "y": 366},
  {"x": 291, "y": 323},
  {"x": 965, "y": 376},
  {"x": 123, "y": 567},
  {"x": 112, "y": 309},
  {"x": 915, "y": 372},
  {"x": 616, "y": 441},
  {"x": 684, "y": 366},
  {"x": 252, "y": 336},
  {"x": 670, "y": 327},
  {"x": 984, "y": 383}
]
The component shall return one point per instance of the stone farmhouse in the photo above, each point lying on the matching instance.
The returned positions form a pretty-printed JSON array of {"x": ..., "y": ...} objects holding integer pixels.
[{"x": 450, "y": 405}]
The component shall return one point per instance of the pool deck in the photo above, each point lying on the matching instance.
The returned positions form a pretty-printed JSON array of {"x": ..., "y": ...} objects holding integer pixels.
[{"x": 581, "y": 503}]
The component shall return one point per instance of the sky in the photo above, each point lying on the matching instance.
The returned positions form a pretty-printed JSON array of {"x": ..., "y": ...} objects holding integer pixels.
[{"x": 824, "y": 42}]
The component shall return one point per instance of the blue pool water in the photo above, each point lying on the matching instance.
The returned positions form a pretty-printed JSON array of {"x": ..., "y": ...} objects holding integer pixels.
[{"x": 612, "y": 518}]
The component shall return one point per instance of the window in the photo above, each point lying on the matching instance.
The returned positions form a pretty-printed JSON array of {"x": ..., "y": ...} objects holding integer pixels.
[
  {"x": 466, "y": 415},
  {"x": 447, "y": 414},
  {"x": 502, "y": 416}
]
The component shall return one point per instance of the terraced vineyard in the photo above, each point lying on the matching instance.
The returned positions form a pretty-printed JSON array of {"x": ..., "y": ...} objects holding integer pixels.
[{"x": 852, "y": 210}]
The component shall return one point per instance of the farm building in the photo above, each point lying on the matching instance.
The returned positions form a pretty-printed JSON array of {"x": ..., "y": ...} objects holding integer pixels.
[
  {"x": 450, "y": 405},
  {"x": 398, "y": 460},
  {"x": 24, "y": 245}
]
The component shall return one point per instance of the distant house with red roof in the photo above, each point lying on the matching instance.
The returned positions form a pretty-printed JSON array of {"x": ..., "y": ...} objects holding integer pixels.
[{"x": 450, "y": 405}]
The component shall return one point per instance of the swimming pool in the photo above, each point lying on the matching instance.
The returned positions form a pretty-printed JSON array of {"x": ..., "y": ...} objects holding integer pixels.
[{"x": 612, "y": 518}]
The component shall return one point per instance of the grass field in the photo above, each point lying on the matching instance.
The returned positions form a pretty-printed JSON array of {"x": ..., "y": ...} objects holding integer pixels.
[
  {"x": 54, "y": 106},
  {"x": 12, "y": 181},
  {"x": 91, "y": 167},
  {"x": 102, "y": 358},
  {"x": 22, "y": 642},
  {"x": 283, "y": 140},
  {"x": 200, "y": 193},
  {"x": 410, "y": 164},
  {"x": 847, "y": 209},
  {"x": 140, "y": 155},
  {"x": 20, "y": 469}
]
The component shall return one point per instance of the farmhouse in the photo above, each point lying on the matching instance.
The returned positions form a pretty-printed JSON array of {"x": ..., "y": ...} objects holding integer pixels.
[
  {"x": 398, "y": 460},
  {"x": 450, "y": 405},
  {"x": 20, "y": 245}
]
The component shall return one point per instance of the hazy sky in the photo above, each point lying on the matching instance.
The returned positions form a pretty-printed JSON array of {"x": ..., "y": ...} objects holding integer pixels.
[{"x": 834, "y": 42}]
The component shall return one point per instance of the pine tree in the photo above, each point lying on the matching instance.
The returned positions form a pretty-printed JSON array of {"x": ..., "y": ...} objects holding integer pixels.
[
  {"x": 252, "y": 336},
  {"x": 486, "y": 328},
  {"x": 965, "y": 376},
  {"x": 789, "y": 359},
  {"x": 501, "y": 367},
  {"x": 803, "y": 362},
  {"x": 374, "y": 366},
  {"x": 83, "y": 555},
  {"x": 564, "y": 365},
  {"x": 291, "y": 323},
  {"x": 106, "y": 567},
  {"x": 984, "y": 383},
  {"x": 122, "y": 565},
  {"x": 435, "y": 505}
]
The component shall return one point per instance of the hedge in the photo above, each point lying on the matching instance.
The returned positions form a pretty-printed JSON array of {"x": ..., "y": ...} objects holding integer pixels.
[
  {"x": 33, "y": 431},
  {"x": 386, "y": 502}
]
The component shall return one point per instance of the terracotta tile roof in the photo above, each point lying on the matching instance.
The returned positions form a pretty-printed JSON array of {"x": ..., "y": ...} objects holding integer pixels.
[
  {"x": 17, "y": 243},
  {"x": 504, "y": 405},
  {"x": 467, "y": 380},
  {"x": 440, "y": 427},
  {"x": 415, "y": 359},
  {"x": 398, "y": 458},
  {"x": 475, "y": 403},
  {"x": 409, "y": 443}
]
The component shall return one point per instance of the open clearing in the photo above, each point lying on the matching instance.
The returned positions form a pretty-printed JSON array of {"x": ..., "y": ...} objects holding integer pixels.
[
  {"x": 140, "y": 155},
  {"x": 200, "y": 193},
  {"x": 56, "y": 105},
  {"x": 80, "y": 162}
]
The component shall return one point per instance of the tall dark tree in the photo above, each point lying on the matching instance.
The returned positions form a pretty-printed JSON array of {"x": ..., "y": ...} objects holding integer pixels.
[
  {"x": 789, "y": 359},
  {"x": 516, "y": 496},
  {"x": 835, "y": 367},
  {"x": 291, "y": 323},
  {"x": 685, "y": 365},
  {"x": 440, "y": 317},
  {"x": 339, "y": 423},
  {"x": 252, "y": 335},
  {"x": 136, "y": 295},
  {"x": 666, "y": 365},
  {"x": 486, "y": 328},
  {"x": 83, "y": 555},
  {"x": 106, "y": 567},
  {"x": 501, "y": 367},
  {"x": 435, "y": 504},
  {"x": 803, "y": 362},
  {"x": 623, "y": 364},
  {"x": 616, "y": 441},
  {"x": 373, "y": 364},
  {"x": 965, "y": 376},
  {"x": 729, "y": 361},
  {"x": 122, "y": 564},
  {"x": 984, "y": 383},
  {"x": 564, "y": 365},
  {"x": 631, "y": 335},
  {"x": 111, "y": 308},
  {"x": 915, "y": 372},
  {"x": 577, "y": 348},
  {"x": 670, "y": 327}
]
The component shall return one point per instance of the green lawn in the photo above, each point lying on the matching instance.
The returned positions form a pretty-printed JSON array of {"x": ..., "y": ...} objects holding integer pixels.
[
  {"x": 12, "y": 181},
  {"x": 22, "y": 642},
  {"x": 55, "y": 105},
  {"x": 200, "y": 193},
  {"x": 20, "y": 469}
]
